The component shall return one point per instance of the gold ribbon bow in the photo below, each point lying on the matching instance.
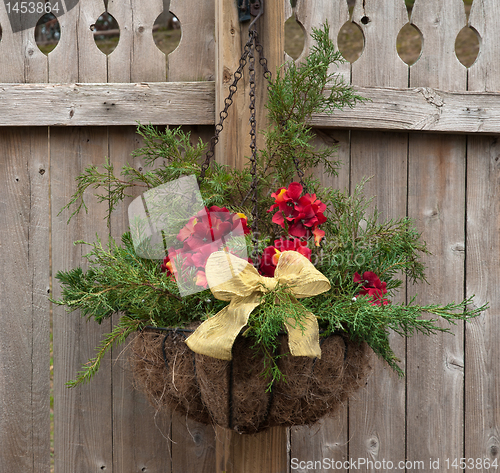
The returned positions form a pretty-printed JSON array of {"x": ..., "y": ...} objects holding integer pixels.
[{"x": 234, "y": 279}]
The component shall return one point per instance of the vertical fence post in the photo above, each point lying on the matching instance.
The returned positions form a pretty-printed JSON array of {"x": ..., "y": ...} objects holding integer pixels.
[{"x": 265, "y": 452}]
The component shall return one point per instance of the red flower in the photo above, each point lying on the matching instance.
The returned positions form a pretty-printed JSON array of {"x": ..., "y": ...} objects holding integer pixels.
[
  {"x": 201, "y": 237},
  {"x": 318, "y": 235},
  {"x": 271, "y": 254},
  {"x": 372, "y": 286},
  {"x": 302, "y": 214},
  {"x": 167, "y": 266},
  {"x": 269, "y": 261},
  {"x": 201, "y": 279}
]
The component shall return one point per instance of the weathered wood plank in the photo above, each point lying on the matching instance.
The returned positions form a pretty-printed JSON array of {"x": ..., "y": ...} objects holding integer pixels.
[
  {"x": 484, "y": 74},
  {"x": 435, "y": 366},
  {"x": 312, "y": 14},
  {"x": 265, "y": 452},
  {"x": 230, "y": 37},
  {"x": 387, "y": 109},
  {"x": 194, "y": 58},
  {"x": 20, "y": 58},
  {"x": 140, "y": 436},
  {"x": 380, "y": 64},
  {"x": 419, "y": 109},
  {"x": 439, "y": 21},
  {"x": 83, "y": 415},
  {"x": 77, "y": 57},
  {"x": 482, "y": 350},
  {"x": 193, "y": 445},
  {"x": 24, "y": 307},
  {"x": 174, "y": 103},
  {"x": 376, "y": 415},
  {"x": 136, "y": 57}
]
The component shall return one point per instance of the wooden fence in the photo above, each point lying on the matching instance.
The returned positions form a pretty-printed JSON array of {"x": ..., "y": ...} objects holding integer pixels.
[{"x": 428, "y": 138}]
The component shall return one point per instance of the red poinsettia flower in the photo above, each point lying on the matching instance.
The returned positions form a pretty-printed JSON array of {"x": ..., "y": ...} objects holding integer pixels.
[
  {"x": 299, "y": 215},
  {"x": 271, "y": 254},
  {"x": 372, "y": 286}
]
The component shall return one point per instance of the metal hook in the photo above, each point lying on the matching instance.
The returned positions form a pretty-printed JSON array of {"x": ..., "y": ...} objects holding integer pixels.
[{"x": 256, "y": 6}]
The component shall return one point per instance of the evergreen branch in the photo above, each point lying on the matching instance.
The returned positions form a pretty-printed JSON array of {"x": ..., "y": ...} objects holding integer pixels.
[{"x": 120, "y": 332}]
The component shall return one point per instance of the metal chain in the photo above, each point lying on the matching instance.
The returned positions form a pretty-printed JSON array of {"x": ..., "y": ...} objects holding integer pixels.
[
  {"x": 248, "y": 55},
  {"x": 228, "y": 101},
  {"x": 262, "y": 59},
  {"x": 251, "y": 44},
  {"x": 253, "y": 145}
]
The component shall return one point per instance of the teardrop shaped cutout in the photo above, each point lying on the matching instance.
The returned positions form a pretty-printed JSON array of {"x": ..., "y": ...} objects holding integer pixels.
[
  {"x": 167, "y": 32},
  {"x": 106, "y": 33},
  {"x": 351, "y": 41},
  {"x": 47, "y": 33},
  {"x": 409, "y": 44},
  {"x": 294, "y": 38},
  {"x": 409, "y": 6},
  {"x": 467, "y": 46}
]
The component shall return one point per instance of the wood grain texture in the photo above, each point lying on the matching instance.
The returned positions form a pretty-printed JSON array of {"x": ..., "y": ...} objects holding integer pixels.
[
  {"x": 436, "y": 203},
  {"x": 193, "y": 445},
  {"x": 194, "y": 58},
  {"x": 11, "y": 56},
  {"x": 230, "y": 38},
  {"x": 20, "y": 58},
  {"x": 313, "y": 14},
  {"x": 24, "y": 306},
  {"x": 482, "y": 387},
  {"x": 265, "y": 452},
  {"x": 435, "y": 366},
  {"x": 83, "y": 415},
  {"x": 178, "y": 103},
  {"x": 136, "y": 57},
  {"x": 380, "y": 64},
  {"x": 76, "y": 57},
  {"x": 377, "y": 414},
  {"x": 482, "y": 373},
  {"x": 140, "y": 435},
  {"x": 192, "y": 103},
  {"x": 439, "y": 21},
  {"x": 419, "y": 108},
  {"x": 484, "y": 74}
]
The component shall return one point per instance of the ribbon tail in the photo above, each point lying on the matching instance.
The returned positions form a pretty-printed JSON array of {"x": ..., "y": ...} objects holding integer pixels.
[
  {"x": 215, "y": 336},
  {"x": 303, "y": 338}
]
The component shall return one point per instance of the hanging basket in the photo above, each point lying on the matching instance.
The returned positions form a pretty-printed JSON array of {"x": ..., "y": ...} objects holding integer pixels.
[{"x": 235, "y": 394}]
